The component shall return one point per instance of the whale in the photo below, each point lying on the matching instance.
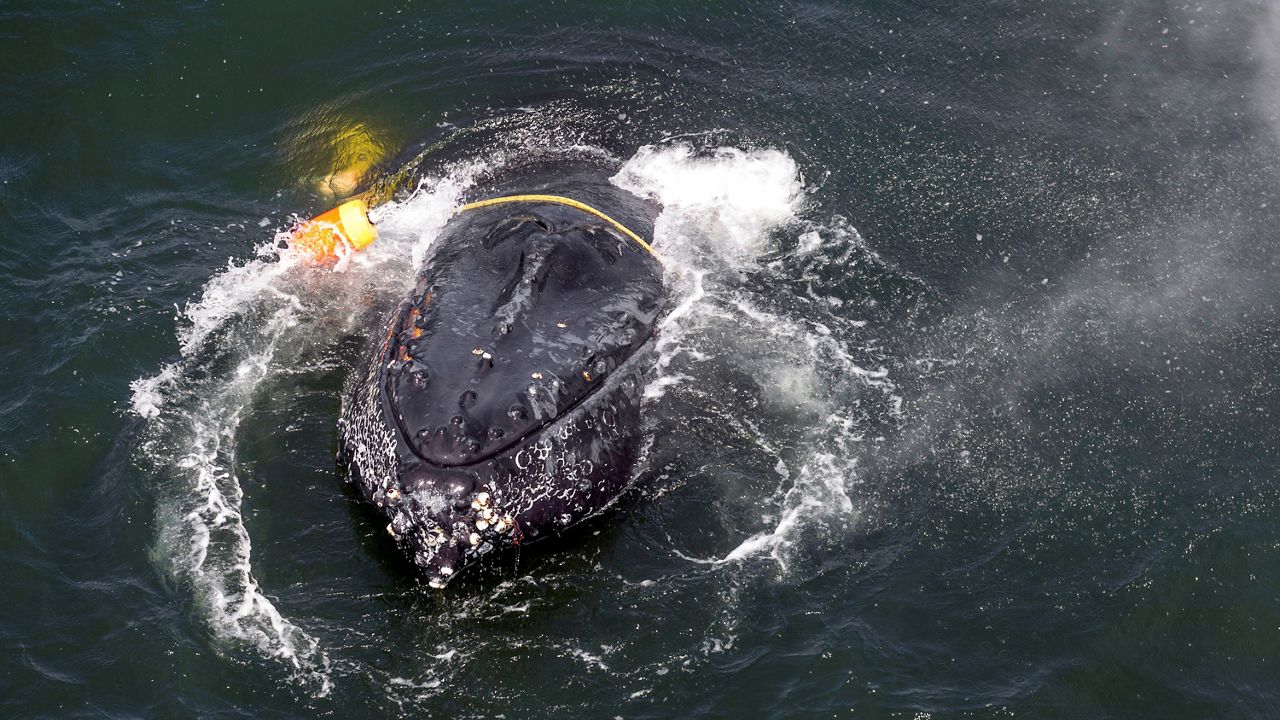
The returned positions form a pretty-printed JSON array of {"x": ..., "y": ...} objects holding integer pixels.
[{"x": 500, "y": 402}]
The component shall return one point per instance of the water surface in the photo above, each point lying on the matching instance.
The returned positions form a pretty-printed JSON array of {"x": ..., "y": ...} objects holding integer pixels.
[{"x": 965, "y": 408}]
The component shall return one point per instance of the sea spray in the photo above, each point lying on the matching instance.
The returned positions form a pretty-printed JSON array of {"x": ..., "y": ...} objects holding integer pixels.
[
  {"x": 809, "y": 384},
  {"x": 251, "y": 322},
  {"x": 723, "y": 209}
]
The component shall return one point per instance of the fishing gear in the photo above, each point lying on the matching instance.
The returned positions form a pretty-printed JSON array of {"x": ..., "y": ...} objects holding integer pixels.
[{"x": 327, "y": 237}]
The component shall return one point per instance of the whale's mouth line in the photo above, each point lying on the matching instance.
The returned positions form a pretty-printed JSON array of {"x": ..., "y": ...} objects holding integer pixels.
[
  {"x": 534, "y": 430},
  {"x": 485, "y": 496}
]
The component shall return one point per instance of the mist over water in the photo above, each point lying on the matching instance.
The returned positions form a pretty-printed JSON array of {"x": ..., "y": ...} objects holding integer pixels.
[{"x": 964, "y": 405}]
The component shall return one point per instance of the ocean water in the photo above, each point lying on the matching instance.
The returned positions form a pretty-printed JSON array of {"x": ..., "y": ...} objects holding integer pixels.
[{"x": 965, "y": 406}]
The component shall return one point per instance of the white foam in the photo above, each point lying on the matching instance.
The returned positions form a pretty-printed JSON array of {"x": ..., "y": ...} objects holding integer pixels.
[
  {"x": 671, "y": 333},
  {"x": 228, "y": 293},
  {"x": 148, "y": 393},
  {"x": 230, "y": 341},
  {"x": 730, "y": 196},
  {"x": 720, "y": 208},
  {"x": 809, "y": 242},
  {"x": 819, "y": 495},
  {"x": 407, "y": 228},
  {"x": 203, "y": 539},
  {"x": 589, "y": 659}
]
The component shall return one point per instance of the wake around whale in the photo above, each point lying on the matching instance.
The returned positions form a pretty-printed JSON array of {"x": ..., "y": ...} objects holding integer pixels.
[{"x": 500, "y": 402}]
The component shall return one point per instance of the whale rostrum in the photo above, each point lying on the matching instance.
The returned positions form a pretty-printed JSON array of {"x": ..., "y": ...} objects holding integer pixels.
[{"x": 501, "y": 403}]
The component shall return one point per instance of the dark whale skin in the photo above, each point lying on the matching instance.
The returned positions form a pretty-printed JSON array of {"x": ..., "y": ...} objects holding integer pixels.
[{"x": 501, "y": 403}]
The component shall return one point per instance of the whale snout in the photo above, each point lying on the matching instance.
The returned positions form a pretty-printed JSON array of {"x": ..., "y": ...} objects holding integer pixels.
[{"x": 448, "y": 517}]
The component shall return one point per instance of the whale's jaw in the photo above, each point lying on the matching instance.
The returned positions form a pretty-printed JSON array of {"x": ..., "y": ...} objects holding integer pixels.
[{"x": 449, "y": 518}]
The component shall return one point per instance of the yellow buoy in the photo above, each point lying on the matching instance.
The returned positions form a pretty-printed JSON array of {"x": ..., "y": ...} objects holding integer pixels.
[{"x": 343, "y": 229}]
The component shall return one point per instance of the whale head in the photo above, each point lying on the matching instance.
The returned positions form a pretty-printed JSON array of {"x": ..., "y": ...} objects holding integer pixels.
[{"x": 502, "y": 401}]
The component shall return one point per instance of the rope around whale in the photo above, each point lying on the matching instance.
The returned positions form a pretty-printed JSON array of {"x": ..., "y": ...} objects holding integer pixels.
[
  {"x": 560, "y": 200},
  {"x": 348, "y": 225}
]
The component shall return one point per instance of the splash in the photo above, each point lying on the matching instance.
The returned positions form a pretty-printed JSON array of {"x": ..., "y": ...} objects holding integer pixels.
[
  {"x": 723, "y": 208},
  {"x": 727, "y": 197},
  {"x": 252, "y": 320}
]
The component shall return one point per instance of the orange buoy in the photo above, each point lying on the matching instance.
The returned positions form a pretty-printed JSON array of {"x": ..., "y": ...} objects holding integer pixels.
[{"x": 324, "y": 236}]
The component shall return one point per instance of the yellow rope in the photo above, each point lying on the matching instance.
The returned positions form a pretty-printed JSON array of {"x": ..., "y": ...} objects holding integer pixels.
[{"x": 560, "y": 200}]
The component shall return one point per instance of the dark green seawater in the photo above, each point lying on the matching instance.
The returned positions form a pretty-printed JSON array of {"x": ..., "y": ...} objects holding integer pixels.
[{"x": 968, "y": 408}]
